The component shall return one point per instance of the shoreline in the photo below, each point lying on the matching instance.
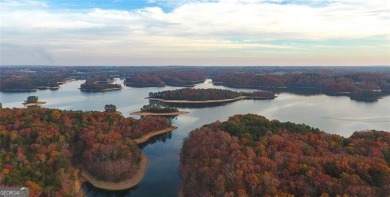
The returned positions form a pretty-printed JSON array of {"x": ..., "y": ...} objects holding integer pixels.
[
  {"x": 19, "y": 90},
  {"x": 197, "y": 102},
  {"x": 147, "y": 136},
  {"x": 260, "y": 97},
  {"x": 121, "y": 185},
  {"x": 84, "y": 176},
  {"x": 34, "y": 104},
  {"x": 103, "y": 90},
  {"x": 140, "y": 113}
]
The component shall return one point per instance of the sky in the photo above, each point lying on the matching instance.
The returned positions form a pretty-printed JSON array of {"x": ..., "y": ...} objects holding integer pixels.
[{"x": 195, "y": 32}]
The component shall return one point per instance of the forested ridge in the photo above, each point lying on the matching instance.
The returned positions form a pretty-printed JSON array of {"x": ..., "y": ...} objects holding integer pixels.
[
  {"x": 249, "y": 155},
  {"x": 39, "y": 147},
  {"x": 161, "y": 78},
  {"x": 358, "y": 84}
]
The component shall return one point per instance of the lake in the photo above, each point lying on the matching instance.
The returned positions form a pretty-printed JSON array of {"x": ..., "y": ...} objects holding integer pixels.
[{"x": 333, "y": 114}]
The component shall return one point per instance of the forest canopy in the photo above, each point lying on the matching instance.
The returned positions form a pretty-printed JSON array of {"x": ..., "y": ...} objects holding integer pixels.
[
  {"x": 249, "y": 155},
  {"x": 39, "y": 147}
]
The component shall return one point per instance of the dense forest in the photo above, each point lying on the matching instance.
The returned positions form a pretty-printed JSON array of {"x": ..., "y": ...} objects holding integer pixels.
[
  {"x": 30, "y": 82},
  {"x": 40, "y": 147},
  {"x": 144, "y": 80},
  {"x": 158, "y": 108},
  {"x": 195, "y": 94},
  {"x": 249, "y": 155},
  {"x": 97, "y": 87},
  {"x": 259, "y": 95},
  {"x": 186, "y": 78},
  {"x": 99, "y": 83}
]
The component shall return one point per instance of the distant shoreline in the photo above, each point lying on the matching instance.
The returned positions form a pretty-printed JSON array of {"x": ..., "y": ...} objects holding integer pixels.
[
  {"x": 102, "y": 90},
  {"x": 141, "y": 113},
  {"x": 19, "y": 90},
  {"x": 212, "y": 101},
  {"x": 197, "y": 102},
  {"x": 121, "y": 185},
  {"x": 147, "y": 136},
  {"x": 260, "y": 97}
]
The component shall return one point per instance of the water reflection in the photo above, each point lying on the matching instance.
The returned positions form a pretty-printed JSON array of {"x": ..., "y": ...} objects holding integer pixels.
[
  {"x": 191, "y": 105},
  {"x": 158, "y": 138},
  {"x": 91, "y": 190},
  {"x": 364, "y": 100},
  {"x": 304, "y": 91}
]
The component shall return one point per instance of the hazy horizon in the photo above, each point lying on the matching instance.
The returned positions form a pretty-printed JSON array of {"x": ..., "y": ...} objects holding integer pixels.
[{"x": 195, "y": 33}]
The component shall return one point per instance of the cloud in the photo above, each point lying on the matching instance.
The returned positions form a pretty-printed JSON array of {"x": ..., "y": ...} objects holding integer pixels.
[
  {"x": 195, "y": 28},
  {"x": 23, "y": 54}
]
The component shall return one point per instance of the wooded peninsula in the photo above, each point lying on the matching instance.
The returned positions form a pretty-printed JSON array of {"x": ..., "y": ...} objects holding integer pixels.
[
  {"x": 249, "y": 155},
  {"x": 43, "y": 148}
]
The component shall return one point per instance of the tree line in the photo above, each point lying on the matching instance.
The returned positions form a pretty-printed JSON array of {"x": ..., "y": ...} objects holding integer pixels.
[
  {"x": 158, "y": 108},
  {"x": 195, "y": 94},
  {"x": 166, "y": 77}
]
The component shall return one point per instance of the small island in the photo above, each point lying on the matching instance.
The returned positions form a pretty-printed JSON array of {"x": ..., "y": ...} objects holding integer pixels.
[
  {"x": 33, "y": 101},
  {"x": 110, "y": 108},
  {"x": 206, "y": 96},
  {"x": 158, "y": 110},
  {"x": 100, "y": 83},
  {"x": 89, "y": 86}
]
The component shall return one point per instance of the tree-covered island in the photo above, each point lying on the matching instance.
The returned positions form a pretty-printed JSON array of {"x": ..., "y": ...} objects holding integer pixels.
[
  {"x": 199, "y": 96},
  {"x": 156, "y": 109},
  {"x": 98, "y": 86},
  {"x": 33, "y": 101}
]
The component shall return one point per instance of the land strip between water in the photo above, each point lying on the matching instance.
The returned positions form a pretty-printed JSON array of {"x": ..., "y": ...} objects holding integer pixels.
[{"x": 121, "y": 185}]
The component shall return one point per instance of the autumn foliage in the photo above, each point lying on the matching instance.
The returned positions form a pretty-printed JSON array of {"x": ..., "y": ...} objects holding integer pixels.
[
  {"x": 39, "y": 147},
  {"x": 249, "y": 155},
  {"x": 354, "y": 83},
  {"x": 161, "y": 78},
  {"x": 195, "y": 94}
]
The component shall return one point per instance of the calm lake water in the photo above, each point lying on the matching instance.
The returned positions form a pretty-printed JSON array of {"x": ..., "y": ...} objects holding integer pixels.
[{"x": 337, "y": 115}]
